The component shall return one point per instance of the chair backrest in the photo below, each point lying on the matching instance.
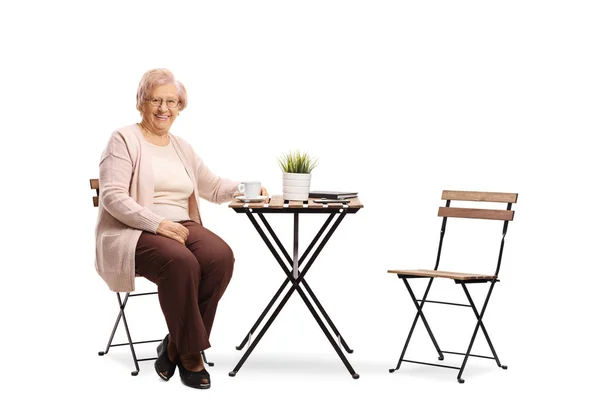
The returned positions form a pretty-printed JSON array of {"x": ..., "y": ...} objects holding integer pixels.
[
  {"x": 478, "y": 213},
  {"x": 505, "y": 215},
  {"x": 95, "y": 184}
]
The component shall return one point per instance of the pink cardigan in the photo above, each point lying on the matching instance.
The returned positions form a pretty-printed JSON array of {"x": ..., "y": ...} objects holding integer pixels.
[{"x": 127, "y": 194}]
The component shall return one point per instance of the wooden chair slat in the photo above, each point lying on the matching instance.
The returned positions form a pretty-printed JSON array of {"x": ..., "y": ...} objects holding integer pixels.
[
  {"x": 460, "y": 276},
  {"x": 478, "y": 213},
  {"x": 95, "y": 185},
  {"x": 496, "y": 197}
]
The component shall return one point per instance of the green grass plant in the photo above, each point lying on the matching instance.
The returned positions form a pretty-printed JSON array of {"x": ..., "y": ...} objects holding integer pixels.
[{"x": 297, "y": 162}]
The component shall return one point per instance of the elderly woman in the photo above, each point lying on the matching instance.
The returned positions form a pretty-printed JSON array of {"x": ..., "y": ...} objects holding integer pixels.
[{"x": 151, "y": 183}]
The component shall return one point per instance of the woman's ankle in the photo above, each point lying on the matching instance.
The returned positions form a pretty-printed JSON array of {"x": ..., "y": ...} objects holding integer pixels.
[
  {"x": 172, "y": 351},
  {"x": 192, "y": 362}
]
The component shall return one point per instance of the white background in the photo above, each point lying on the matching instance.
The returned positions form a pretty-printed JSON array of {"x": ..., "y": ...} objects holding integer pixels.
[{"x": 398, "y": 100}]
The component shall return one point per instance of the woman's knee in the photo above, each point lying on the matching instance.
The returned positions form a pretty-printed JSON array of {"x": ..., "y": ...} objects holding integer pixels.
[
  {"x": 219, "y": 262},
  {"x": 213, "y": 254},
  {"x": 182, "y": 264},
  {"x": 225, "y": 259}
]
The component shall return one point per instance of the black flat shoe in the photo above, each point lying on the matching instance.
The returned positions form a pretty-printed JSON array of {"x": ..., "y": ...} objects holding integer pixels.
[
  {"x": 194, "y": 379},
  {"x": 163, "y": 366}
]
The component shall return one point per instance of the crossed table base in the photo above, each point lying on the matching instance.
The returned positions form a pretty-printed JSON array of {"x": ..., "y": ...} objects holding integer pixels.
[{"x": 295, "y": 276}]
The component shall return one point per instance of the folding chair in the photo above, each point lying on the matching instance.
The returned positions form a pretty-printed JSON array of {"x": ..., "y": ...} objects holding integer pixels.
[
  {"x": 95, "y": 184},
  {"x": 461, "y": 278}
]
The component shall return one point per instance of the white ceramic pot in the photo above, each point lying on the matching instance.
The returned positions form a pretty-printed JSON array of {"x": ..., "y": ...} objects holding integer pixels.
[{"x": 296, "y": 186}]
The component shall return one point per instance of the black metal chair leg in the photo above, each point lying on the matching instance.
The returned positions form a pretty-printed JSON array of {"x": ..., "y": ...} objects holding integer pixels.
[
  {"x": 112, "y": 334},
  {"x": 130, "y": 342},
  {"x": 206, "y": 362},
  {"x": 483, "y": 329},
  {"x": 419, "y": 314},
  {"x": 410, "y": 332},
  {"x": 479, "y": 317},
  {"x": 135, "y": 360},
  {"x": 489, "y": 341}
]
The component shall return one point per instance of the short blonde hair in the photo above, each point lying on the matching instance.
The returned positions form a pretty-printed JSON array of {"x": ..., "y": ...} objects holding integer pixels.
[{"x": 157, "y": 77}]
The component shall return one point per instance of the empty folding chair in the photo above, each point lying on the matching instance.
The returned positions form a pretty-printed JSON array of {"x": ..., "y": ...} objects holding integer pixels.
[
  {"x": 461, "y": 278},
  {"x": 94, "y": 184}
]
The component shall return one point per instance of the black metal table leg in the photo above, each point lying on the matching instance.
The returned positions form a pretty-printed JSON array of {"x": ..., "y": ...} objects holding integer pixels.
[
  {"x": 327, "y": 334},
  {"x": 326, "y": 316},
  {"x": 263, "y": 315},
  {"x": 262, "y": 331},
  {"x": 313, "y": 297},
  {"x": 297, "y": 278},
  {"x": 312, "y": 244}
]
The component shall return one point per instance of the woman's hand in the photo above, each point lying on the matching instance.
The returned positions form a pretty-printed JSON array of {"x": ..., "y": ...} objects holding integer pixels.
[
  {"x": 173, "y": 230},
  {"x": 263, "y": 191}
]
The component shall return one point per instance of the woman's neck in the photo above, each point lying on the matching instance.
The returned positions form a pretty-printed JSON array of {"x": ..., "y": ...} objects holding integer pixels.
[{"x": 159, "y": 139}]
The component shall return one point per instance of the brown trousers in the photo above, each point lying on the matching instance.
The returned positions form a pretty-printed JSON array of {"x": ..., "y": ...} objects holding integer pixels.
[{"x": 191, "y": 280}]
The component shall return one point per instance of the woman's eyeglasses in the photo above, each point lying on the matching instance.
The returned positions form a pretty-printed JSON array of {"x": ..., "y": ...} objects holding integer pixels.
[{"x": 157, "y": 102}]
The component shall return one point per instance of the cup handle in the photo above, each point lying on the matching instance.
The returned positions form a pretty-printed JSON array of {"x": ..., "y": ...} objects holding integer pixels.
[{"x": 241, "y": 188}]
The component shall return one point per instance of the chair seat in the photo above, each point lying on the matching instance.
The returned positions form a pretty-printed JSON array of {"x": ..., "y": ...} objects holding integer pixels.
[{"x": 458, "y": 276}]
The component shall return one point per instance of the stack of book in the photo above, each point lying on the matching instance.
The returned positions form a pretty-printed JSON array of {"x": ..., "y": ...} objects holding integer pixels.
[{"x": 328, "y": 194}]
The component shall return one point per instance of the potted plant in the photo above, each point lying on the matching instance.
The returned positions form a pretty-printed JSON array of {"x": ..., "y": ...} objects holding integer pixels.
[{"x": 296, "y": 167}]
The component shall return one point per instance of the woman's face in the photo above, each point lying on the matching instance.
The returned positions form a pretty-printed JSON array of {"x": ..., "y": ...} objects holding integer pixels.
[{"x": 159, "y": 118}]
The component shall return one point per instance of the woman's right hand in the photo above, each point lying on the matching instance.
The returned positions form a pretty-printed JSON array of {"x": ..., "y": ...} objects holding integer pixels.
[{"x": 173, "y": 230}]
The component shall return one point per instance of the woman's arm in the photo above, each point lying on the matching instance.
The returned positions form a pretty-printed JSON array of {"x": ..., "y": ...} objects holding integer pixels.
[
  {"x": 116, "y": 169},
  {"x": 212, "y": 187}
]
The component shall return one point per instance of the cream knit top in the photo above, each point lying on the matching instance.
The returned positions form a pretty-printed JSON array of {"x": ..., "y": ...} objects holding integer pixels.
[{"x": 172, "y": 185}]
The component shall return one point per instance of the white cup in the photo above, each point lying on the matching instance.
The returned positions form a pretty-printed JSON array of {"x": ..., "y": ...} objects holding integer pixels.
[{"x": 250, "y": 189}]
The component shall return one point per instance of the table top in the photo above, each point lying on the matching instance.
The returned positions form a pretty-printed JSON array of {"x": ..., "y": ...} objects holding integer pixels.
[{"x": 276, "y": 204}]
